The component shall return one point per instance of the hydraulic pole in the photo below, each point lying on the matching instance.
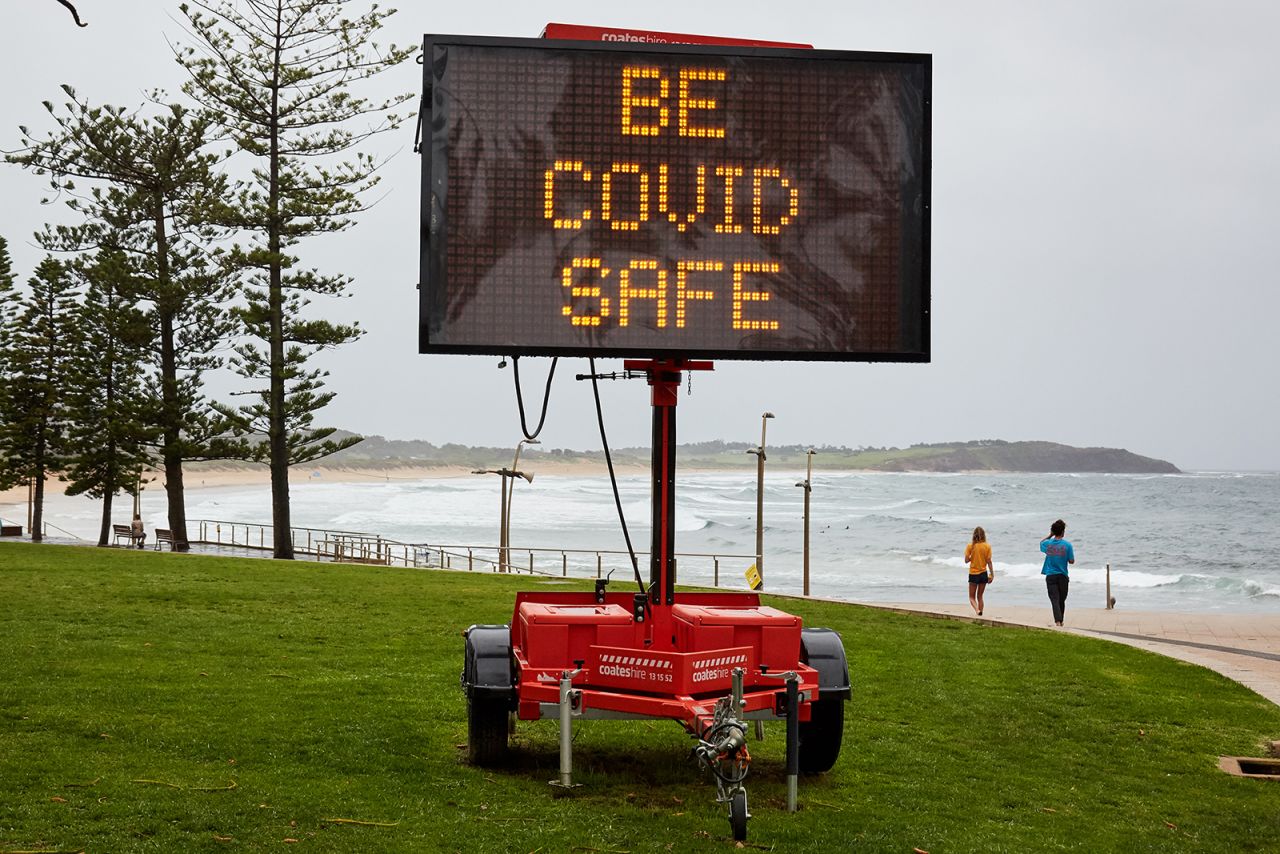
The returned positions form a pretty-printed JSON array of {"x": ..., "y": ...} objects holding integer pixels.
[{"x": 664, "y": 377}]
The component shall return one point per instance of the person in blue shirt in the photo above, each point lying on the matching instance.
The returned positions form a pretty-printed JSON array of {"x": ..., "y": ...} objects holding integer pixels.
[{"x": 1057, "y": 555}]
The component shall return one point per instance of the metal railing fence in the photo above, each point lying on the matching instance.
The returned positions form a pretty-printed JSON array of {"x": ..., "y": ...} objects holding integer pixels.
[{"x": 698, "y": 568}]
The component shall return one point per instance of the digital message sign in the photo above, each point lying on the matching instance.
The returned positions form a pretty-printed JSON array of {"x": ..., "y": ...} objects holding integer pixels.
[{"x": 674, "y": 201}]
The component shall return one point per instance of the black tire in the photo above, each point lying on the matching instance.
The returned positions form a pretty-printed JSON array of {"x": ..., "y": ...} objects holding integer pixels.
[
  {"x": 738, "y": 815},
  {"x": 486, "y": 731},
  {"x": 821, "y": 735},
  {"x": 488, "y": 681}
]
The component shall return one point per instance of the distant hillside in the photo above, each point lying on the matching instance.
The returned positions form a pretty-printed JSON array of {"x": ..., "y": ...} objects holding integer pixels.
[
  {"x": 995, "y": 455},
  {"x": 982, "y": 455}
]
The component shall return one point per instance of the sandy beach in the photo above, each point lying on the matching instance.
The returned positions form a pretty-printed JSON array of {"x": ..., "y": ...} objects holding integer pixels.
[
  {"x": 200, "y": 479},
  {"x": 204, "y": 476}
]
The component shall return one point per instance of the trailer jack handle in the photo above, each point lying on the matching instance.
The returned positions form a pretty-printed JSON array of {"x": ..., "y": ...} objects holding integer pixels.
[
  {"x": 722, "y": 749},
  {"x": 570, "y": 705}
]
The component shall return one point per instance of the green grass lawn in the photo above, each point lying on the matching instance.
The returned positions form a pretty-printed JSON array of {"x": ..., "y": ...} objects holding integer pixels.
[{"x": 158, "y": 702}]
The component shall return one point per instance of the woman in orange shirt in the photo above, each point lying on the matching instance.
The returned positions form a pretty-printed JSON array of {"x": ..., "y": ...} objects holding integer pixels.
[{"x": 981, "y": 570}]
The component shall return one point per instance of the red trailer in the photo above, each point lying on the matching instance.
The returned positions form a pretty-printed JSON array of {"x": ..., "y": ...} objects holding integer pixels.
[{"x": 710, "y": 661}]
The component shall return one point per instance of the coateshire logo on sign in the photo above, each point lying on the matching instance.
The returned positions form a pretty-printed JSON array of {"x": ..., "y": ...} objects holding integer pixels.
[
  {"x": 640, "y": 668},
  {"x": 717, "y": 668}
]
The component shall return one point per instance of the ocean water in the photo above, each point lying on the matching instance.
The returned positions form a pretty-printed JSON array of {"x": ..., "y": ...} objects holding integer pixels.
[{"x": 1191, "y": 542}]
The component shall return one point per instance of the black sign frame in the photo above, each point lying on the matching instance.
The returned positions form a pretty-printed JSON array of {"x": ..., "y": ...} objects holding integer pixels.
[{"x": 434, "y": 226}]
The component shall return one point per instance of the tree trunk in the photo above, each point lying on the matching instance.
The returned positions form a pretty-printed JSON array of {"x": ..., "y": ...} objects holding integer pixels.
[
  {"x": 37, "y": 506},
  {"x": 277, "y": 429},
  {"x": 177, "y": 505},
  {"x": 109, "y": 482},
  {"x": 172, "y": 406},
  {"x": 104, "y": 533}
]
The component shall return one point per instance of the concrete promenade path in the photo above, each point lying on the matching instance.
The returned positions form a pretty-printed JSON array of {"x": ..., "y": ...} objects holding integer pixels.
[{"x": 1243, "y": 647}]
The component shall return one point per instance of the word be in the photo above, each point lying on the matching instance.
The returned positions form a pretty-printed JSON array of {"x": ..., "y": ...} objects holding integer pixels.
[
  {"x": 655, "y": 106},
  {"x": 667, "y": 301}
]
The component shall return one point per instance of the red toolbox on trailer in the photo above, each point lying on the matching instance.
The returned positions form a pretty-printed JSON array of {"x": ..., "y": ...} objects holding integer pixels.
[
  {"x": 552, "y": 635},
  {"x": 774, "y": 635}
]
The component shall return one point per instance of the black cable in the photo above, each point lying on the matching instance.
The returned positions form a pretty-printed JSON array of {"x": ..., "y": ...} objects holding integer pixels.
[
  {"x": 546, "y": 397},
  {"x": 613, "y": 479}
]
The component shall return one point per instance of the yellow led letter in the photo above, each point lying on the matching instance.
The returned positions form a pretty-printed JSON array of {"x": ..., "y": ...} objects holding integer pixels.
[
  {"x": 632, "y": 101},
  {"x": 664, "y": 198},
  {"x": 687, "y": 103},
  {"x": 606, "y": 197},
  {"x": 683, "y": 292},
  {"x": 728, "y": 173},
  {"x": 578, "y": 291},
  {"x": 740, "y": 268},
  {"x": 549, "y": 194},
  {"x": 759, "y": 175},
  {"x": 626, "y": 292}
]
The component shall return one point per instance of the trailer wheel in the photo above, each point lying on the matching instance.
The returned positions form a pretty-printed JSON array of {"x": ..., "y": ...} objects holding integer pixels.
[
  {"x": 487, "y": 731},
  {"x": 738, "y": 815},
  {"x": 821, "y": 736},
  {"x": 491, "y": 695}
]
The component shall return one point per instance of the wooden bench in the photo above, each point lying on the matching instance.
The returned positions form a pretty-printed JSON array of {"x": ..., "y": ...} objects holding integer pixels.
[
  {"x": 164, "y": 535},
  {"x": 125, "y": 532}
]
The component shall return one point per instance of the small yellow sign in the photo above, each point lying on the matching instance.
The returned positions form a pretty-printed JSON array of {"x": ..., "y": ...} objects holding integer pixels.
[{"x": 754, "y": 581}]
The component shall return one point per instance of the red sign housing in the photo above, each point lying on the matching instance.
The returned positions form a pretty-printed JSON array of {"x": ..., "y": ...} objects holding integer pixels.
[{"x": 624, "y": 34}]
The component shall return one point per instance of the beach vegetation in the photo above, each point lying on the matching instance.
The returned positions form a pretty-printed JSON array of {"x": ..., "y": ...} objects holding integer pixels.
[
  {"x": 282, "y": 79},
  {"x": 170, "y": 702},
  {"x": 39, "y": 341},
  {"x": 109, "y": 432},
  {"x": 153, "y": 195}
]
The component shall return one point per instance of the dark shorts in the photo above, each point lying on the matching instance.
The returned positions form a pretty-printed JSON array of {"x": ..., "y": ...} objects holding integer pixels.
[{"x": 980, "y": 578}]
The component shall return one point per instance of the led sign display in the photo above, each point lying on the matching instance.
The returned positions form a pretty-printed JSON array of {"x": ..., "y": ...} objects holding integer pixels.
[{"x": 674, "y": 201}]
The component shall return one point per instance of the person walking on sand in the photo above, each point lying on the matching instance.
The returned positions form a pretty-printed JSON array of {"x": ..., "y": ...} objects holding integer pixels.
[
  {"x": 1058, "y": 554},
  {"x": 139, "y": 532},
  {"x": 981, "y": 570}
]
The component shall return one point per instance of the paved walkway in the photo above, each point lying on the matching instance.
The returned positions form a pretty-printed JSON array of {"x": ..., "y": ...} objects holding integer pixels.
[{"x": 1243, "y": 647}]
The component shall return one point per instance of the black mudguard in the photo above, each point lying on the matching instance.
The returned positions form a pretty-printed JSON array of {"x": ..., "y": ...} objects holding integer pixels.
[
  {"x": 486, "y": 666},
  {"x": 823, "y": 650}
]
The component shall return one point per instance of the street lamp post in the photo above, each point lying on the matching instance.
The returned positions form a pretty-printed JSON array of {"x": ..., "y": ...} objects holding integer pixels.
[
  {"x": 502, "y": 509},
  {"x": 807, "y": 486},
  {"x": 759, "y": 452},
  {"x": 510, "y": 486}
]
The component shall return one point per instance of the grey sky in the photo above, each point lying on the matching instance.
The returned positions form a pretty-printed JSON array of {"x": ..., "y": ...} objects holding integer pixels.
[{"x": 1104, "y": 183}]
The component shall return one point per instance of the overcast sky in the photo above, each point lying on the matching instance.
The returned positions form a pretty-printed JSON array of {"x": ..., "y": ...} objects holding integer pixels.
[{"x": 1105, "y": 183}]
